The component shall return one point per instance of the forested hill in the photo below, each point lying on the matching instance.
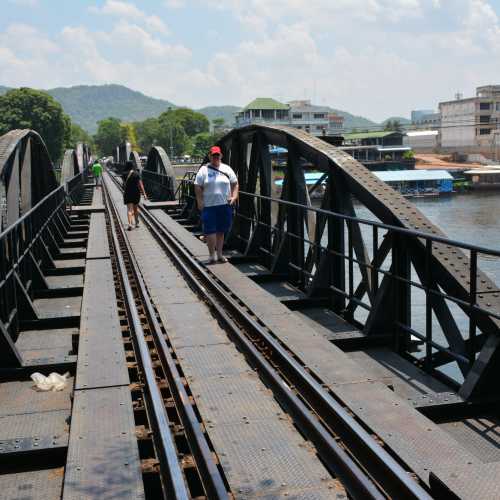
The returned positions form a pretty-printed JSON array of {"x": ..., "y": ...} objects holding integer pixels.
[{"x": 87, "y": 104}]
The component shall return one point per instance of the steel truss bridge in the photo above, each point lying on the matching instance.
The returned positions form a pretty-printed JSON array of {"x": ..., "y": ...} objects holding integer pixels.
[{"x": 343, "y": 311}]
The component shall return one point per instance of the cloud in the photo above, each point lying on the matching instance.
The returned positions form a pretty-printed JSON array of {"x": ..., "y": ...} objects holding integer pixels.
[
  {"x": 175, "y": 4},
  {"x": 125, "y": 10},
  {"x": 371, "y": 57},
  {"x": 24, "y": 3}
]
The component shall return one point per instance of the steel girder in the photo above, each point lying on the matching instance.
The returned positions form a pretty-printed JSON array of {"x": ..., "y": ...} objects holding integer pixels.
[
  {"x": 246, "y": 150},
  {"x": 26, "y": 173},
  {"x": 158, "y": 175}
]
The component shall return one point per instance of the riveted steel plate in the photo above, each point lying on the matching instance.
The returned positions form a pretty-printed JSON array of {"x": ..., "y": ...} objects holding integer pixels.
[
  {"x": 26, "y": 445},
  {"x": 480, "y": 436},
  {"x": 97, "y": 197},
  {"x": 193, "y": 244},
  {"x": 474, "y": 481},
  {"x": 267, "y": 457},
  {"x": 327, "y": 322},
  {"x": 33, "y": 485},
  {"x": 234, "y": 399},
  {"x": 221, "y": 360},
  {"x": 45, "y": 340},
  {"x": 407, "y": 380},
  {"x": 22, "y": 397},
  {"x": 65, "y": 263},
  {"x": 65, "y": 281},
  {"x": 101, "y": 358},
  {"x": 59, "y": 307},
  {"x": 53, "y": 424},
  {"x": 103, "y": 458},
  {"x": 97, "y": 246},
  {"x": 416, "y": 439}
]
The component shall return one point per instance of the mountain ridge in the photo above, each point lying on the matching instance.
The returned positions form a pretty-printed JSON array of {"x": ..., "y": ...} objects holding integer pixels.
[{"x": 87, "y": 104}]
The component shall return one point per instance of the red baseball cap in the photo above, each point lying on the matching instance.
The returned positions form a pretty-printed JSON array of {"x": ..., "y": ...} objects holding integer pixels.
[{"x": 215, "y": 150}]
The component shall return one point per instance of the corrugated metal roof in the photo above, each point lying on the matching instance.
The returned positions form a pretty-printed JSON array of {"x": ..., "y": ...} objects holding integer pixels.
[
  {"x": 387, "y": 149},
  {"x": 369, "y": 135},
  {"x": 413, "y": 175},
  {"x": 422, "y": 133},
  {"x": 265, "y": 103}
]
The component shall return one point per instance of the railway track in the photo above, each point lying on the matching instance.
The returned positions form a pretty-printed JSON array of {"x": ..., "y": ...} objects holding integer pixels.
[
  {"x": 348, "y": 450},
  {"x": 188, "y": 467}
]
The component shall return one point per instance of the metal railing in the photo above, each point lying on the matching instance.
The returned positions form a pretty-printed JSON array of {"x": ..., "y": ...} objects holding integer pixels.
[
  {"x": 26, "y": 248},
  {"x": 390, "y": 245},
  {"x": 158, "y": 186},
  {"x": 354, "y": 284}
]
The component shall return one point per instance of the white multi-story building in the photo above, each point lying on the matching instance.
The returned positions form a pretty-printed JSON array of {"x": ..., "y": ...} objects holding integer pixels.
[
  {"x": 317, "y": 120},
  {"x": 469, "y": 125}
]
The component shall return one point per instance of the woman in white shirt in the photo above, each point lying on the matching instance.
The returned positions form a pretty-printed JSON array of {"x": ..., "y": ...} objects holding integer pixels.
[{"x": 216, "y": 188}]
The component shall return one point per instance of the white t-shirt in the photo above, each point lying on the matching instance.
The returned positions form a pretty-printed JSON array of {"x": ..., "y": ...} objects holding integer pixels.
[{"x": 216, "y": 186}]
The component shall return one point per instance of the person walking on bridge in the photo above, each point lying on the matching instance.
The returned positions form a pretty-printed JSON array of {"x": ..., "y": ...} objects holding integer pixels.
[
  {"x": 132, "y": 189},
  {"x": 97, "y": 172},
  {"x": 216, "y": 189}
]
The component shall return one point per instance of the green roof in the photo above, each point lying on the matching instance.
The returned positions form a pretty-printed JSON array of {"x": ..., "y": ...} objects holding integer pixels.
[
  {"x": 368, "y": 135},
  {"x": 265, "y": 103}
]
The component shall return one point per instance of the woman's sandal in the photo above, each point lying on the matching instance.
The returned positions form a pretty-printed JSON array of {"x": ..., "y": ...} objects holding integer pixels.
[{"x": 222, "y": 260}]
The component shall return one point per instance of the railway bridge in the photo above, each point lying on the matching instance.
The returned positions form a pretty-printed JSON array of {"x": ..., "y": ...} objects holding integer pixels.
[{"x": 348, "y": 349}]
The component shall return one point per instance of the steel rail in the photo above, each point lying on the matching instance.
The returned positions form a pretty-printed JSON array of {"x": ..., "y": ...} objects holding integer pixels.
[
  {"x": 212, "y": 479},
  {"x": 353, "y": 478},
  {"x": 167, "y": 452},
  {"x": 383, "y": 469}
]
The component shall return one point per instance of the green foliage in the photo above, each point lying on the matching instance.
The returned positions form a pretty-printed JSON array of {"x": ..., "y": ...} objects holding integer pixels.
[
  {"x": 109, "y": 135},
  {"x": 408, "y": 155},
  {"x": 27, "y": 108},
  {"x": 192, "y": 122},
  {"x": 175, "y": 128},
  {"x": 171, "y": 134},
  {"x": 88, "y": 104},
  {"x": 128, "y": 134},
  {"x": 202, "y": 143},
  {"x": 148, "y": 133},
  {"x": 77, "y": 134},
  {"x": 393, "y": 125}
]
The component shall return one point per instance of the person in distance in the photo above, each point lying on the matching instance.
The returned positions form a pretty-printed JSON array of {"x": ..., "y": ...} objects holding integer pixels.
[
  {"x": 216, "y": 189},
  {"x": 132, "y": 189}
]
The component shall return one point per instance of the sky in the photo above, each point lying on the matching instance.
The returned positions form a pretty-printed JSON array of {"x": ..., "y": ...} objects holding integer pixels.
[{"x": 376, "y": 58}]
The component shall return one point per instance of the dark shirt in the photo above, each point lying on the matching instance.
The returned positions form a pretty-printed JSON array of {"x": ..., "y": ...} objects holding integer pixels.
[{"x": 132, "y": 190}]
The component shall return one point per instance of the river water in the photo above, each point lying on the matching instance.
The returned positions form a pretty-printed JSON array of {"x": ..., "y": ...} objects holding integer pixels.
[{"x": 471, "y": 218}]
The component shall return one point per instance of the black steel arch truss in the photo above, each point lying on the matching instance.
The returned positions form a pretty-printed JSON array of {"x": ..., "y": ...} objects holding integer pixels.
[
  {"x": 26, "y": 173},
  {"x": 323, "y": 253},
  {"x": 159, "y": 175}
]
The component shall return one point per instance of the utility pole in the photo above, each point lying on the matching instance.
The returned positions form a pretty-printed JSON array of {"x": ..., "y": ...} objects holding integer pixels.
[{"x": 171, "y": 138}]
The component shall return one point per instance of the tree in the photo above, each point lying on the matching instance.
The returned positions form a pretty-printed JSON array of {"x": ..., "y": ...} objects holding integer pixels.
[
  {"x": 393, "y": 125},
  {"x": 27, "y": 108},
  {"x": 109, "y": 135},
  {"x": 171, "y": 134},
  {"x": 202, "y": 143},
  {"x": 77, "y": 134},
  {"x": 192, "y": 122},
  {"x": 148, "y": 133},
  {"x": 128, "y": 134}
]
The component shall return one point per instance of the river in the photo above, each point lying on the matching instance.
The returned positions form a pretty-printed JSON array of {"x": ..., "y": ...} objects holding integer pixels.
[{"x": 470, "y": 217}]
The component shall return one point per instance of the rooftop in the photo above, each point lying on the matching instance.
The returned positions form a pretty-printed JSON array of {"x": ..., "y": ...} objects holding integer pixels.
[
  {"x": 413, "y": 175},
  {"x": 265, "y": 103},
  {"x": 422, "y": 133},
  {"x": 369, "y": 135}
]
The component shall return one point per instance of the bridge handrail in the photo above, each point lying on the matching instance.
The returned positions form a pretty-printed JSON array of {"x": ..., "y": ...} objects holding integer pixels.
[
  {"x": 32, "y": 211},
  {"x": 375, "y": 268},
  {"x": 381, "y": 225}
]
